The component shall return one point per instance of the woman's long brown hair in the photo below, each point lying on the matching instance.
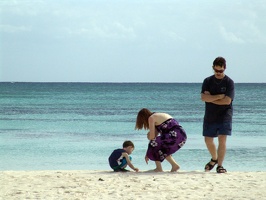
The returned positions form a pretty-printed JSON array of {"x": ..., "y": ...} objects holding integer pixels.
[{"x": 142, "y": 119}]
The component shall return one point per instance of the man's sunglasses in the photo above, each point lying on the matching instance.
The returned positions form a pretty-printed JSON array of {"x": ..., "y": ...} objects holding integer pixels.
[{"x": 219, "y": 71}]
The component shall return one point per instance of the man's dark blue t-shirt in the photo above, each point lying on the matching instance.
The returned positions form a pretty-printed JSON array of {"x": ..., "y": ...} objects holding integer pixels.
[{"x": 218, "y": 113}]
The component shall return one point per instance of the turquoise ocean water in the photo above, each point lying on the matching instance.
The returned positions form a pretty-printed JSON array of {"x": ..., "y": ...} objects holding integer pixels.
[{"x": 75, "y": 126}]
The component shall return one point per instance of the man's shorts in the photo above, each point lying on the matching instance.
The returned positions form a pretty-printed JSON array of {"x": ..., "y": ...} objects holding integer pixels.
[{"x": 215, "y": 129}]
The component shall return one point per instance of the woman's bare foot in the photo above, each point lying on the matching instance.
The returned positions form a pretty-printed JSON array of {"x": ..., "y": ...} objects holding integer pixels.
[
  {"x": 157, "y": 170},
  {"x": 175, "y": 168},
  {"x": 158, "y": 167},
  {"x": 171, "y": 160}
]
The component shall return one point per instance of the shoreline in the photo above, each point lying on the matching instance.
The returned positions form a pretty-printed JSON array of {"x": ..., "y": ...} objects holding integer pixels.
[{"x": 103, "y": 184}]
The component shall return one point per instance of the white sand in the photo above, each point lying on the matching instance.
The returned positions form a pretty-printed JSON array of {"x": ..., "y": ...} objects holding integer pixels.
[{"x": 143, "y": 185}]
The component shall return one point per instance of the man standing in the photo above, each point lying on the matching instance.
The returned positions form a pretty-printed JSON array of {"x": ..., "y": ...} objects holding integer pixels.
[{"x": 218, "y": 94}]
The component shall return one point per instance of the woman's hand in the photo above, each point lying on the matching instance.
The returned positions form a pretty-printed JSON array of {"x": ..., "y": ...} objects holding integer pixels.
[{"x": 146, "y": 159}]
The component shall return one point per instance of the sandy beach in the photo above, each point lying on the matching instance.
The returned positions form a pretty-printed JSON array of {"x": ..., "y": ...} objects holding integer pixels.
[{"x": 143, "y": 185}]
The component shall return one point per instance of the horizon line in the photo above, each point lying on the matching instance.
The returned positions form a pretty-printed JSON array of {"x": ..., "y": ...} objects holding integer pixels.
[{"x": 117, "y": 82}]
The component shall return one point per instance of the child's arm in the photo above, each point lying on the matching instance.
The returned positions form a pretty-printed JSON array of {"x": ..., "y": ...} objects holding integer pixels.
[{"x": 129, "y": 162}]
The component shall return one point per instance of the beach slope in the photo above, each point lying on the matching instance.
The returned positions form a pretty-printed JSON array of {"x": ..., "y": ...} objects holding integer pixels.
[{"x": 143, "y": 185}]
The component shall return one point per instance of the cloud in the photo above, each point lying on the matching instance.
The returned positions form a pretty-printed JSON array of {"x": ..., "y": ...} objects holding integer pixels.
[
  {"x": 245, "y": 32},
  {"x": 113, "y": 30},
  {"x": 253, "y": 33},
  {"x": 14, "y": 29},
  {"x": 230, "y": 36},
  {"x": 243, "y": 23},
  {"x": 174, "y": 36},
  {"x": 22, "y": 8},
  {"x": 129, "y": 35}
]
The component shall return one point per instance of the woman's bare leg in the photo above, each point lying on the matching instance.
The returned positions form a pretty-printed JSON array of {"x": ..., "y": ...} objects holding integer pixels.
[
  {"x": 171, "y": 160},
  {"x": 158, "y": 166}
]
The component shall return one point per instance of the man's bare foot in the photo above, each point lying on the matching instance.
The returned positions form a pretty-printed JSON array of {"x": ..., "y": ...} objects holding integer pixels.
[{"x": 175, "y": 168}]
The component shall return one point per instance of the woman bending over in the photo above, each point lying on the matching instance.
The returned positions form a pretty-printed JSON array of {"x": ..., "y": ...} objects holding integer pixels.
[{"x": 165, "y": 137}]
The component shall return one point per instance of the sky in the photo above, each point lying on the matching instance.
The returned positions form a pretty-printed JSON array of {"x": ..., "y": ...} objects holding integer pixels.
[{"x": 131, "y": 40}]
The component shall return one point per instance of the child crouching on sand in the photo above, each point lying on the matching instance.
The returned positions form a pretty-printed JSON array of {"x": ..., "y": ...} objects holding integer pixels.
[{"x": 120, "y": 158}]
